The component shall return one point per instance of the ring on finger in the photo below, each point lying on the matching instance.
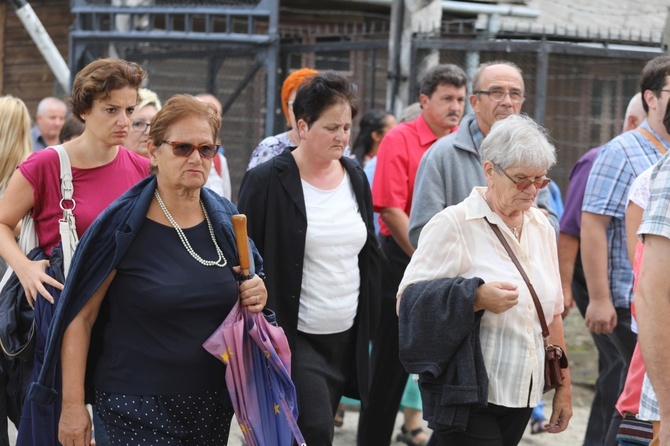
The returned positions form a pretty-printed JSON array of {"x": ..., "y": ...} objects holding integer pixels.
[{"x": 258, "y": 299}]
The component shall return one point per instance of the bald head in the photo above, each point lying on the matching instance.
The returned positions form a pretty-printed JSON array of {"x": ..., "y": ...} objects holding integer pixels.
[
  {"x": 635, "y": 113},
  {"x": 211, "y": 99}
]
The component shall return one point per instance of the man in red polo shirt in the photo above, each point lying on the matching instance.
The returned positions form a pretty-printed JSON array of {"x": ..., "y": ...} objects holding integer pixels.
[{"x": 442, "y": 97}]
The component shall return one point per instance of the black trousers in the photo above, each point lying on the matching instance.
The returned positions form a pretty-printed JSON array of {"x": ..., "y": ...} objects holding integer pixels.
[
  {"x": 388, "y": 377},
  {"x": 603, "y": 416},
  {"x": 490, "y": 426},
  {"x": 320, "y": 364}
]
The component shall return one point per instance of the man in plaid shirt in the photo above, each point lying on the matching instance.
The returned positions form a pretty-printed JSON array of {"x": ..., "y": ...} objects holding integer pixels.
[{"x": 608, "y": 273}]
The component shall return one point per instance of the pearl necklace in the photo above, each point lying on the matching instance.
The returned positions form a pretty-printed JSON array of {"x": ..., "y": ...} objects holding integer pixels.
[{"x": 185, "y": 242}]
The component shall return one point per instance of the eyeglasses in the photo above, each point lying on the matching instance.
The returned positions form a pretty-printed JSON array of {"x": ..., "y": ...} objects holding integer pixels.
[
  {"x": 140, "y": 126},
  {"x": 186, "y": 148},
  {"x": 499, "y": 95},
  {"x": 540, "y": 183}
]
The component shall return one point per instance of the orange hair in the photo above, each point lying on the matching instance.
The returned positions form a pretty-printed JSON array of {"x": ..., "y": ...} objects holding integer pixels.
[{"x": 291, "y": 84}]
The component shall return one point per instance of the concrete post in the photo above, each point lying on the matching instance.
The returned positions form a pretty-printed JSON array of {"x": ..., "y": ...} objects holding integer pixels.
[{"x": 410, "y": 18}]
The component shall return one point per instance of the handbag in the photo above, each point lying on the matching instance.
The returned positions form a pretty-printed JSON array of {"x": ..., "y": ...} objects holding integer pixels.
[
  {"x": 555, "y": 358},
  {"x": 17, "y": 320}
]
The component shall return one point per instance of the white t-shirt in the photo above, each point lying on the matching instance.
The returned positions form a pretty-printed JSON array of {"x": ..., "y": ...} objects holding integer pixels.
[
  {"x": 639, "y": 189},
  {"x": 335, "y": 236}
]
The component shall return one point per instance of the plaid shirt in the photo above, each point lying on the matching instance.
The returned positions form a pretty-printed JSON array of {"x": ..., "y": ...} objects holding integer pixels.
[
  {"x": 656, "y": 218},
  {"x": 649, "y": 410},
  {"x": 619, "y": 162},
  {"x": 656, "y": 221},
  {"x": 477, "y": 134}
]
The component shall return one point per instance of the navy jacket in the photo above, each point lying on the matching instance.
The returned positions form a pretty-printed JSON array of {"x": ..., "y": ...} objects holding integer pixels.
[
  {"x": 439, "y": 341},
  {"x": 100, "y": 250},
  {"x": 271, "y": 196}
]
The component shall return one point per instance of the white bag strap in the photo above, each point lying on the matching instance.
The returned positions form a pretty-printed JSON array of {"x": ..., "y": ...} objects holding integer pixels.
[{"x": 67, "y": 225}]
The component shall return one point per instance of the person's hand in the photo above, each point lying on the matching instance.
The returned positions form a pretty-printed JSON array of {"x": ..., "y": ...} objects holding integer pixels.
[
  {"x": 74, "y": 428},
  {"x": 252, "y": 293},
  {"x": 496, "y": 297},
  {"x": 33, "y": 276},
  {"x": 568, "y": 302},
  {"x": 561, "y": 410},
  {"x": 600, "y": 317}
]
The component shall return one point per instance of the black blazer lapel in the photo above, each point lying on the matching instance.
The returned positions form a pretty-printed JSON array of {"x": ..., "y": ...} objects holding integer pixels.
[{"x": 289, "y": 178}]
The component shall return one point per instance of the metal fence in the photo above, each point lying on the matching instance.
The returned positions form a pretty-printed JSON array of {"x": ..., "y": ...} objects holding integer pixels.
[{"x": 578, "y": 92}]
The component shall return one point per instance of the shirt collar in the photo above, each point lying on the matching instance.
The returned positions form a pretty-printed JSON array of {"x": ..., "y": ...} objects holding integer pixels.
[
  {"x": 426, "y": 135},
  {"x": 645, "y": 125},
  {"x": 476, "y": 207},
  {"x": 477, "y": 134}
]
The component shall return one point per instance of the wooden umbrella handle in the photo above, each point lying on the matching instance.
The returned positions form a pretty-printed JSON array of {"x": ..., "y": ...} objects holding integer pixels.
[{"x": 242, "y": 240}]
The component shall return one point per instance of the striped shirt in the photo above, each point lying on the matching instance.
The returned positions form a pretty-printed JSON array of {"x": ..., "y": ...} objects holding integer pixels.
[
  {"x": 618, "y": 163},
  {"x": 458, "y": 242}
]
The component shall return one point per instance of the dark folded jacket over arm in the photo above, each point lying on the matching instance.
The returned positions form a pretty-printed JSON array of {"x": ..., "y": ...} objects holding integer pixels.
[{"x": 439, "y": 341}]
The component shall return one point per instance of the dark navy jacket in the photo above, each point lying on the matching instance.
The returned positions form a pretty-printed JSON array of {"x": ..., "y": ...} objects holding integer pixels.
[
  {"x": 101, "y": 249},
  {"x": 439, "y": 341}
]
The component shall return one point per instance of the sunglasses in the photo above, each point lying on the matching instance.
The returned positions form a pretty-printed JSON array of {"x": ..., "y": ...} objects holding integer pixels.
[
  {"x": 186, "y": 148},
  {"x": 540, "y": 183}
]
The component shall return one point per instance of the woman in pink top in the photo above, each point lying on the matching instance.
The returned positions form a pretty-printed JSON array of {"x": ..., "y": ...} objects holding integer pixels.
[{"x": 104, "y": 97}]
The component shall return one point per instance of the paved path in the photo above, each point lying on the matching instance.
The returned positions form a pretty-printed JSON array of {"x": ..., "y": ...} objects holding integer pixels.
[{"x": 346, "y": 435}]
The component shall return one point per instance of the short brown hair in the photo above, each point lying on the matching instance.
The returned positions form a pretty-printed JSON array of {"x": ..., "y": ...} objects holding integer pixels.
[
  {"x": 99, "y": 78},
  {"x": 179, "y": 107}
]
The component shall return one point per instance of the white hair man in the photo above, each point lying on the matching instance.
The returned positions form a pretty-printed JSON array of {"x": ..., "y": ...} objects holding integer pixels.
[{"x": 49, "y": 120}]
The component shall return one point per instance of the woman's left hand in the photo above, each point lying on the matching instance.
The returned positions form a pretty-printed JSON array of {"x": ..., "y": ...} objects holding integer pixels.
[
  {"x": 561, "y": 410},
  {"x": 252, "y": 293}
]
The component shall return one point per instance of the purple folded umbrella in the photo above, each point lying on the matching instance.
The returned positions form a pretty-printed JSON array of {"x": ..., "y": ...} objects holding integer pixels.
[{"x": 258, "y": 377}]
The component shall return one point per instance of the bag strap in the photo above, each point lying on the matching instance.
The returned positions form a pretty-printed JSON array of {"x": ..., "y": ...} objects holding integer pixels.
[
  {"x": 68, "y": 224},
  {"x": 536, "y": 300},
  {"x": 66, "y": 188},
  {"x": 653, "y": 139}
]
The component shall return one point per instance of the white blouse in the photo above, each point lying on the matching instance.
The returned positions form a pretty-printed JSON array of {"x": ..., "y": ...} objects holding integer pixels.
[
  {"x": 458, "y": 242},
  {"x": 331, "y": 278}
]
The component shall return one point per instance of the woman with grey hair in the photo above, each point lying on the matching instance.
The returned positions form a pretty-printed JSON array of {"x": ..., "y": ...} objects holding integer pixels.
[{"x": 462, "y": 278}]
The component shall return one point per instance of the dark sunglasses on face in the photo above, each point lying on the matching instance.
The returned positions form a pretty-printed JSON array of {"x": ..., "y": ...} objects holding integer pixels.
[
  {"x": 186, "y": 148},
  {"x": 540, "y": 183}
]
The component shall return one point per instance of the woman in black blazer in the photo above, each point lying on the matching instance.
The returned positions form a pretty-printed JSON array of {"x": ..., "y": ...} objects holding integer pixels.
[{"x": 310, "y": 215}]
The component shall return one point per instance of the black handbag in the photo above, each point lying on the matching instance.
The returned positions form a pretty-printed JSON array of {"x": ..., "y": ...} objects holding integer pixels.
[
  {"x": 554, "y": 356},
  {"x": 17, "y": 320}
]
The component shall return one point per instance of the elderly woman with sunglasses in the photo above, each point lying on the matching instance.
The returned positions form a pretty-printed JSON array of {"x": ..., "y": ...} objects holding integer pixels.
[
  {"x": 156, "y": 275},
  {"x": 462, "y": 280}
]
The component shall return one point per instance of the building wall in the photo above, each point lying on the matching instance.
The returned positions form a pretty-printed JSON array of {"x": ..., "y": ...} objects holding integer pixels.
[{"x": 25, "y": 73}]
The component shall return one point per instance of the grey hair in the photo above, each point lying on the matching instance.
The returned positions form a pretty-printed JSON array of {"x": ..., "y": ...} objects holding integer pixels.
[
  {"x": 518, "y": 141},
  {"x": 44, "y": 104}
]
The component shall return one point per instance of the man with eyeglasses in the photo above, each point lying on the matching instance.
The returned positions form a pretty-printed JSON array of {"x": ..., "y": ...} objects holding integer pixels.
[
  {"x": 607, "y": 269},
  {"x": 453, "y": 166}
]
